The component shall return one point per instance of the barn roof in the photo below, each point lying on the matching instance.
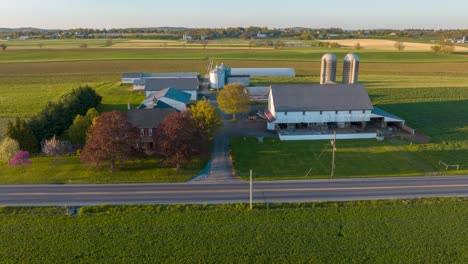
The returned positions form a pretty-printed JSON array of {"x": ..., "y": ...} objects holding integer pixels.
[
  {"x": 175, "y": 83},
  {"x": 135, "y": 75},
  {"x": 319, "y": 97}
]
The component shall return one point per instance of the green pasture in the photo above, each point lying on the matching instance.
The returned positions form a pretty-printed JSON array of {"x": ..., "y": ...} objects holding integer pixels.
[
  {"x": 309, "y": 54},
  {"x": 69, "y": 170},
  {"x": 406, "y": 231}
]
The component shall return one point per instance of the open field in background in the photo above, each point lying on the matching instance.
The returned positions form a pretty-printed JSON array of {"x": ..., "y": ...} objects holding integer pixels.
[
  {"x": 47, "y": 170},
  {"x": 383, "y": 44},
  {"x": 408, "y": 231},
  {"x": 315, "y": 54}
]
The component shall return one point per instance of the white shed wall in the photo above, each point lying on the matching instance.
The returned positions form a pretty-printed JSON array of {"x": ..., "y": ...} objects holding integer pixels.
[
  {"x": 327, "y": 136},
  {"x": 325, "y": 117}
]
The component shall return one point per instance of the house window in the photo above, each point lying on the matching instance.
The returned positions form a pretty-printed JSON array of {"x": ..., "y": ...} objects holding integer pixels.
[
  {"x": 142, "y": 132},
  {"x": 150, "y": 132}
]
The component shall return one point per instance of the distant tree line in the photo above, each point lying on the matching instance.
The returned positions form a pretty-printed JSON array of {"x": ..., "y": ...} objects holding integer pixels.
[{"x": 54, "y": 119}]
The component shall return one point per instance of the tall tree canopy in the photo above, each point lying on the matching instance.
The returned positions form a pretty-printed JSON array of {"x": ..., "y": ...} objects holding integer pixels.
[
  {"x": 178, "y": 138},
  {"x": 78, "y": 130},
  {"x": 21, "y": 131},
  {"x": 233, "y": 99},
  {"x": 112, "y": 141},
  {"x": 206, "y": 117}
]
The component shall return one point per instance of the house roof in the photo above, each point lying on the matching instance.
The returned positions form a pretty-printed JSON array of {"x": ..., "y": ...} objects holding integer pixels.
[
  {"x": 140, "y": 82},
  {"x": 148, "y": 118},
  {"x": 319, "y": 97},
  {"x": 175, "y": 83}
]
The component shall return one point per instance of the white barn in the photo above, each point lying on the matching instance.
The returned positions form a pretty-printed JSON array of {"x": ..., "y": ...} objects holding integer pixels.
[
  {"x": 314, "y": 105},
  {"x": 131, "y": 77}
]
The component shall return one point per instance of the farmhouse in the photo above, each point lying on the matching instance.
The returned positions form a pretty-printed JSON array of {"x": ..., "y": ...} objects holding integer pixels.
[
  {"x": 167, "y": 98},
  {"x": 147, "y": 121},
  {"x": 188, "y": 85}
]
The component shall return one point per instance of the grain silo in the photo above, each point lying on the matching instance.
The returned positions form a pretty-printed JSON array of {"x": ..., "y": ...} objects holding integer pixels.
[
  {"x": 328, "y": 71},
  {"x": 351, "y": 69},
  {"x": 217, "y": 78},
  {"x": 226, "y": 69}
]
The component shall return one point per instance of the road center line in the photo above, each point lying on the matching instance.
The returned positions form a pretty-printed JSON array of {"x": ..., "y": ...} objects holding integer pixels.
[{"x": 239, "y": 190}]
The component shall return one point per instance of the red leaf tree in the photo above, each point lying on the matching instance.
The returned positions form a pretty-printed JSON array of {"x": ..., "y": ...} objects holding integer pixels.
[
  {"x": 178, "y": 138},
  {"x": 20, "y": 159},
  {"x": 112, "y": 141}
]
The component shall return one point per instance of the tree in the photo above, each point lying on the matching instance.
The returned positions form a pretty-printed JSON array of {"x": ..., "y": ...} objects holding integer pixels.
[
  {"x": 206, "y": 117},
  {"x": 233, "y": 99},
  {"x": 23, "y": 134},
  {"x": 20, "y": 159},
  {"x": 8, "y": 148},
  {"x": 400, "y": 46},
  {"x": 306, "y": 35},
  {"x": 54, "y": 147},
  {"x": 178, "y": 138},
  {"x": 3, "y": 46},
  {"x": 112, "y": 141},
  {"x": 357, "y": 46},
  {"x": 77, "y": 131},
  {"x": 443, "y": 47}
]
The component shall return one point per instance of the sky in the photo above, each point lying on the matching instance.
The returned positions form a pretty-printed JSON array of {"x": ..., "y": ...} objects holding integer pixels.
[{"x": 346, "y": 14}]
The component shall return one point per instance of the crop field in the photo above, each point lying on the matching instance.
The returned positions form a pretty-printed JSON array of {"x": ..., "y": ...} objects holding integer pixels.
[
  {"x": 382, "y": 44},
  {"x": 310, "y": 54},
  {"x": 406, "y": 231}
]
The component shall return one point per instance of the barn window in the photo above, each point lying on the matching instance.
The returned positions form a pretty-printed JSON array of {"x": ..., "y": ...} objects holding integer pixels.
[
  {"x": 321, "y": 112},
  {"x": 350, "y": 112},
  {"x": 363, "y": 111},
  {"x": 285, "y": 113},
  {"x": 304, "y": 113},
  {"x": 336, "y": 112}
]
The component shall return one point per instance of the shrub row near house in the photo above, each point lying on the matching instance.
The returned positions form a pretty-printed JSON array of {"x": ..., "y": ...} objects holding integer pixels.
[{"x": 54, "y": 119}]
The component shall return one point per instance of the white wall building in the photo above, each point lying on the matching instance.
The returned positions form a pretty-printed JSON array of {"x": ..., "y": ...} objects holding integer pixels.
[{"x": 313, "y": 105}]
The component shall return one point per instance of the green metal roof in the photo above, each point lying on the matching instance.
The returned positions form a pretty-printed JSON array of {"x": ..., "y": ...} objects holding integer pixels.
[{"x": 381, "y": 112}]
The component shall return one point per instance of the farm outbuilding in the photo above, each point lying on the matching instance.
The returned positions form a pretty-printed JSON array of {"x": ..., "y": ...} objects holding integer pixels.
[
  {"x": 188, "y": 85},
  {"x": 130, "y": 78},
  {"x": 167, "y": 98}
]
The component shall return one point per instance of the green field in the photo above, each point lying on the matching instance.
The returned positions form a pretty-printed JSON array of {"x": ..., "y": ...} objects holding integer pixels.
[
  {"x": 408, "y": 231},
  {"x": 429, "y": 91},
  {"x": 48, "y": 170},
  {"x": 274, "y": 159}
]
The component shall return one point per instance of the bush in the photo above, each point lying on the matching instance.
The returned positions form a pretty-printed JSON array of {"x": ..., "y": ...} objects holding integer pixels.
[{"x": 8, "y": 148}]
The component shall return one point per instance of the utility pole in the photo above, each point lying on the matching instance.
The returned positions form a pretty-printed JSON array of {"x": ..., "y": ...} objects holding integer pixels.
[
  {"x": 333, "y": 157},
  {"x": 251, "y": 190}
]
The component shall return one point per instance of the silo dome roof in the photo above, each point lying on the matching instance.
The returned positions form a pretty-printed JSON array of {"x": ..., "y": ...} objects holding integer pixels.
[
  {"x": 351, "y": 57},
  {"x": 224, "y": 67},
  {"x": 329, "y": 57}
]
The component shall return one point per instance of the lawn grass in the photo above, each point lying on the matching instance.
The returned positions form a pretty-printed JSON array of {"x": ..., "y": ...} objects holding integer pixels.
[
  {"x": 69, "y": 170},
  {"x": 274, "y": 159},
  {"x": 407, "y": 231}
]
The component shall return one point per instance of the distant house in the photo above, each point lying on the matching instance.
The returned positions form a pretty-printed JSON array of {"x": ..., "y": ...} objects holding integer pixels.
[
  {"x": 262, "y": 35},
  {"x": 167, "y": 98},
  {"x": 147, "y": 121},
  {"x": 24, "y": 37},
  {"x": 188, "y": 85}
]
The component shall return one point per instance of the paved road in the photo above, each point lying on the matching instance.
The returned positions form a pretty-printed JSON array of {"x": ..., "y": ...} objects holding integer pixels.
[{"x": 282, "y": 191}]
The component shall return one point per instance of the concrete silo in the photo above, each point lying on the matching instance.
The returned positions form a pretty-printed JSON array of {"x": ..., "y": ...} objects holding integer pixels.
[
  {"x": 226, "y": 69},
  {"x": 217, "y": 78},
  {"x": 328, "y": 70},
  {"x": 351, "y": 69}
]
